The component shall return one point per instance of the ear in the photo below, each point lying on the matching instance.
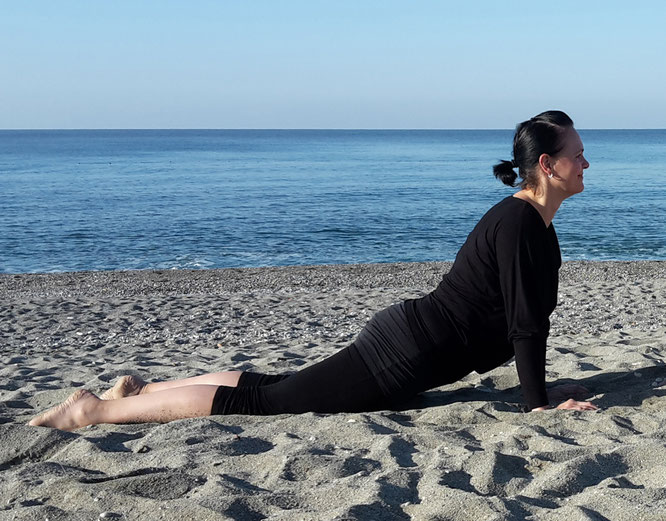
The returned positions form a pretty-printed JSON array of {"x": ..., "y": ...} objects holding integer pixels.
[{"x": 545, "y": 162}]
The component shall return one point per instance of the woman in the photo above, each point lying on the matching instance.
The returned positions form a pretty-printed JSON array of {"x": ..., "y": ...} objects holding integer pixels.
[{"x": 493, "y": 305}]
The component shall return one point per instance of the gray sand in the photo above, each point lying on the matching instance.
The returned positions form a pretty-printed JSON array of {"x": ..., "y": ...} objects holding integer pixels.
[{"x": 463, "y": 451}]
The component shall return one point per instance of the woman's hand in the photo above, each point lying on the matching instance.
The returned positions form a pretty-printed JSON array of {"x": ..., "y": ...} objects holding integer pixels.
[
  {"x": 573, "y": 405},
  {"x": 563, "y": 392}
]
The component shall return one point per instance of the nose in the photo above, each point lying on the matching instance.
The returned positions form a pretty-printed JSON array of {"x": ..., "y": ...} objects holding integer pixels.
[{"x": 586, "y": 164}]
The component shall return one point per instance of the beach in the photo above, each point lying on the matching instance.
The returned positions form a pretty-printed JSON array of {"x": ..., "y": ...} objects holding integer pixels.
[{"x": 462, "y": 451}]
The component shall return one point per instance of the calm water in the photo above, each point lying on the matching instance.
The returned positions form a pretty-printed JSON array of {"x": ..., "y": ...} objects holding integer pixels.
[{"x": 107, "y": 200}]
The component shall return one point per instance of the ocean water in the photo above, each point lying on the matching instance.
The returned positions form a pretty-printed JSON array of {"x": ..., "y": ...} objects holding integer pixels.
[{"x": 162, "y": 199}]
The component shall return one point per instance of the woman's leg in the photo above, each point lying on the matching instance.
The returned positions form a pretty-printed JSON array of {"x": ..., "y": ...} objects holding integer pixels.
[
  {"x": 132, "y": 385},
  {"x": 385, "y": 365},
  {"x": 83, "y": 408},
  {"x": 339, "y": 383}
]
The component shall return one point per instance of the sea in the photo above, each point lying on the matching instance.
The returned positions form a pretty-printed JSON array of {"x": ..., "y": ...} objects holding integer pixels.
[{"x": 78, "y": 200}]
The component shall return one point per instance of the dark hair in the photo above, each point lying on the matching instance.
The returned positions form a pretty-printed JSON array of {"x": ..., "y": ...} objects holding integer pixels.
[{"x": 540, "y": 135}]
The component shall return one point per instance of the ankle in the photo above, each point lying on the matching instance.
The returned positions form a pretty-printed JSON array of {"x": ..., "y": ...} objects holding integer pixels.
[{"x": 87, "y": 412}]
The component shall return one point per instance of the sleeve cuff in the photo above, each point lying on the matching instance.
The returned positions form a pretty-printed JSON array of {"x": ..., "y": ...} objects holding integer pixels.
[{"x": 531, "y": 365}]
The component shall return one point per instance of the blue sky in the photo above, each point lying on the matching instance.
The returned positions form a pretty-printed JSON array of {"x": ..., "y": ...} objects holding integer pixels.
[{"x": 330, "y": 64}]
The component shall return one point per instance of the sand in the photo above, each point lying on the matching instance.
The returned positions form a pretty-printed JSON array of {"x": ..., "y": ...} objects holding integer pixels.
[{"x": 464, "y": 451}]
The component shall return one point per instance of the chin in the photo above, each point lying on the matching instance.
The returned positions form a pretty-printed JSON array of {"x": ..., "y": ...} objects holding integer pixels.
[{"x": 576, "y": 190}]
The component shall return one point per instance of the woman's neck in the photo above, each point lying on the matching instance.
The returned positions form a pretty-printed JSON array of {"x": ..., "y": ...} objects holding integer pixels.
[{"x": 546, "y": 206}]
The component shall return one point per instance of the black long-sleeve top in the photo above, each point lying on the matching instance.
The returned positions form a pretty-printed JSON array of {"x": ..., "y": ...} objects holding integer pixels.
[{"x": 498, "y": 296}]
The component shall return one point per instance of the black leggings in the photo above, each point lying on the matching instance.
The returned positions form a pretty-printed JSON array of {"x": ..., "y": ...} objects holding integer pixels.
[{"x": 382, "y": 367}]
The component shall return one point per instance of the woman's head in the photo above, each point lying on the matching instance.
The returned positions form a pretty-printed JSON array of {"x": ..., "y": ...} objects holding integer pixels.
[{"x": 542, "y": 134}]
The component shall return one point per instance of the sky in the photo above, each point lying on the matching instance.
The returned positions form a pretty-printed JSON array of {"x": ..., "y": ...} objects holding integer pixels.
[{"x": 330, "y": 64}]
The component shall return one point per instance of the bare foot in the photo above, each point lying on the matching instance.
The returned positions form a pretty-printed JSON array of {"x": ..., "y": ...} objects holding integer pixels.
[
  {"x": 71, "y": 414},
  {"x": 127, "y": 386}
]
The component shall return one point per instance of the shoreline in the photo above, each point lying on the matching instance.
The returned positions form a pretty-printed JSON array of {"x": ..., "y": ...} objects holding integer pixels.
[
  {"x": 459, "y": 451},
  {"x": 421, "y": 274}
]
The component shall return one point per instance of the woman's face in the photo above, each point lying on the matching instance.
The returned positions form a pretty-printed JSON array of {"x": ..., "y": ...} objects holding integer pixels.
[{"x": 568, "y": 165}]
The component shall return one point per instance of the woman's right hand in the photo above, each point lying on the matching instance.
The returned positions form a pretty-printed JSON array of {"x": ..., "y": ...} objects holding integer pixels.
[{"x": 573, "y": 405}]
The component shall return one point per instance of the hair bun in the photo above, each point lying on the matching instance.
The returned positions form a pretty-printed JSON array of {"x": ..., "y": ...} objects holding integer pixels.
[{"x": 504, "y": 171}]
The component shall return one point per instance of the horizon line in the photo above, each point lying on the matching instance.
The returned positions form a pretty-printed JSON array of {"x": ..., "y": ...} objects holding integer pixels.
[{"x": 365, "y": 129}]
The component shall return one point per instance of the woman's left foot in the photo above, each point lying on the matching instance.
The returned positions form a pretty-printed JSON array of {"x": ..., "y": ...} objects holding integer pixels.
[{"x": 129, "y": 385}]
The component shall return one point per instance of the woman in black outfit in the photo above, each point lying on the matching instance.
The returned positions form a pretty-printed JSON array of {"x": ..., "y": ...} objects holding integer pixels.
[{"x": 493, "y": 305}]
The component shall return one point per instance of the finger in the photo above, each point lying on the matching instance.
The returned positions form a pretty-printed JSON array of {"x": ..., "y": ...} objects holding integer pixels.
[
  {"x": 587, "y": 406},
  {"x": 573, "y": 405}
]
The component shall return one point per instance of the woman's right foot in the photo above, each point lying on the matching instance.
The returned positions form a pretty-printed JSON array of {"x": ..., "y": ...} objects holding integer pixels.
[{"x": 129, "y": 385}]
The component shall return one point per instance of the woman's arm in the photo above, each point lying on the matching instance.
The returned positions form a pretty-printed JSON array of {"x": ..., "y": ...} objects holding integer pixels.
[
  {"x": 528, "y": 259},
  {"x": 530, "y": 358}
]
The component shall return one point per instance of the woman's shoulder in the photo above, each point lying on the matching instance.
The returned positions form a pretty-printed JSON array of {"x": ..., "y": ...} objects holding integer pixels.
[
  {"x": 514, "y": 212},
  {"x": 513, "y": 222}
]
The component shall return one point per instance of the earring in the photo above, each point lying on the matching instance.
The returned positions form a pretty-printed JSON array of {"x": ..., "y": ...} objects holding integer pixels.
[{"x": 550, "y": 176}]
